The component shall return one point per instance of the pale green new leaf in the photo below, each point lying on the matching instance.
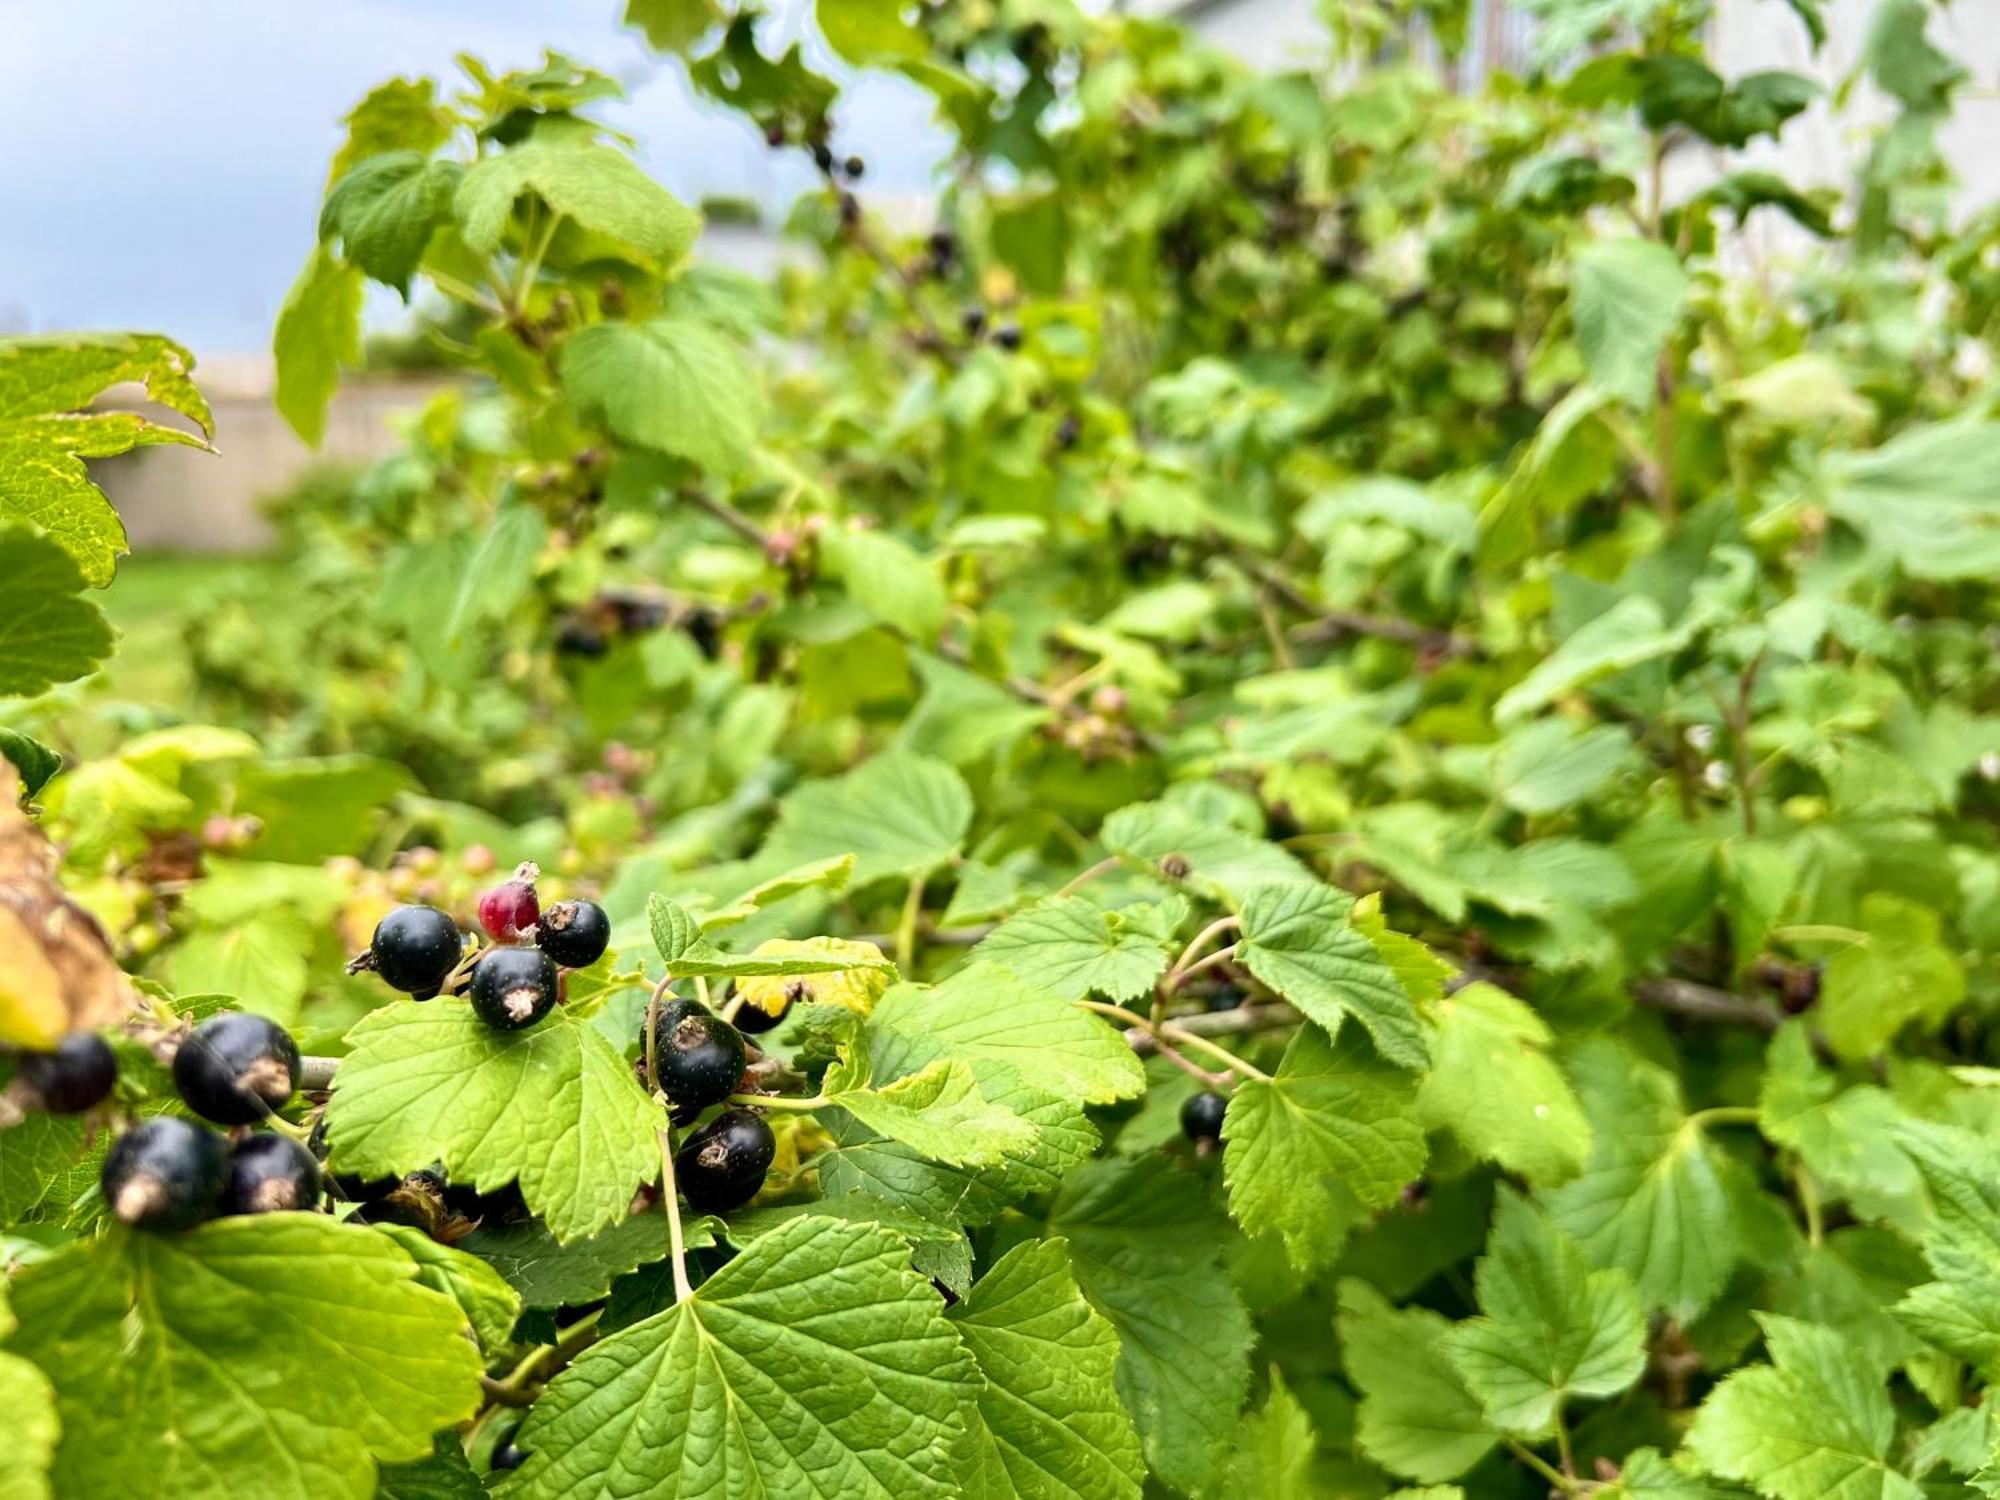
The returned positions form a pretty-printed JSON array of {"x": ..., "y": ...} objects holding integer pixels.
[
  {"x": 816, "y": 1363},
  {"x": 1144, "y": 1245},
  {"x": 672, "y": 25},
  {"x": 32, "y": 1429},
  {"x": 689, "y": 954},
  {"x": 1275, "y": 1449},
  {"x": 1073, "y": 948},
  {"x": 384, "y": 210},
  {"x": 898, "y": 815},
  {"x": 1626, "y": 300},
  {"x": 1493, "y": 1084},
  {"x": 674, "y": 385},
  {"x": 1630, "y": 632},
  {"x": 489, "y": 1302},
  {"x": 599, "y": 187},
  {"x": 1054, "y": 1429},
  {"x": 47, "y": 633},
  {"x": 1899, "y": 974},
  {"x": 1550, "y": 1328},
  {"x": 830, "y": 875},
  {"x": 318, "y": 332},
  {"x": 275, "y": 1354},
  {"x": 1814, "y": 1424},
  {"x": 938, "y": 1112},
  {"x": 1547, "y": 765},
  {"x": 1416, "y": 1418},
  {"x": 886, "y": 577},
  {"x": 400, "y": 115},
  {"x": 1334, "y": 1116},
  {"x": 555, "y": 1106},
  {"x": 1221, "y": 861},
  {"x": 1299, "y": 940},
  {"x": 869, "y": 31},
  {"x": 1651, "y": 1200}
]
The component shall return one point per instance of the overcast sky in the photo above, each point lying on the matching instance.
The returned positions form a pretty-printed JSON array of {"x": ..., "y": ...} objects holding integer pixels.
[{"x": 161, "y": 164}]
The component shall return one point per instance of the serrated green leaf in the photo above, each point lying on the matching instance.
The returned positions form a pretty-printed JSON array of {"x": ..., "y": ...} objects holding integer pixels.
[
  {"x": 180, "y": 1362},
  {"x": 599, "y": 187},
  {"x": 1899, "y": 974},
  {"x": 259, "y": 959},
  {"x": 688, "y": 954},
  {"x": 545, "y": 1272},
  {"x": 384, "y": 210},
  {"x": 445, "y": 1475},
  {"x": 816, "y": 1362},
  {"x": 886, "y": 577},
  {"x": 1299, "y": 940},
  {"x": 489, "y": 1303},
  {"x": 1416, "y": 1418},
  {"x": 1846, "y": 1137},
  {"x": 1275, "y": 1449},
  {"x": 1053, "y": 1426},
  {"x": 318, "y": 332},
  {"x": 1651, "y": 1200},
  {"x": 555, "y": 1106},
  {"x": 499, "y": 572},
  {"x": 47, "y": 633},
  {"x": 937, "y": 1111},
  {"x": 898, "y": 815},
  {"x": 35, "y": 761},
  {"x": 1630, "y": 632},
  {"x": 1627, "y": 299},
  {"x": 673, "y": 25},
  {"x": 673, "y": 385},
  {"x": 1549, "y": 1327},
  {"x": 1814, "y": 1424},
  {"x": 1960, "y": 1310},
  {"x": 1069, "y": 947},
  {"x": 1143, "y": 1243},
  {"x": 1550, "y": 764},
  {"x": 830, "y": 875},
  {"x": 1334, "y": 1116},
  {"x": 400, "y": 115},
  {"x": 1494, "y": 1086},
  {"x": 1221, "y": 861}
]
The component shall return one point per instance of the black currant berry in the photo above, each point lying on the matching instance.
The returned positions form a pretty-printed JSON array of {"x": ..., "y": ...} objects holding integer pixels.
[
  {"x": 507, "y": 1456},
  {"x": 1008, "y": 336},
  {"x": 165, "y": 1173},
  {"x": 973, "y": 320},
  {"x": 698, "y": 1057},
  {"x": 721, "y": 1166},
  {"x": 574, "y": 933},
  {"x": 822, "y": 156},
  {"x": 78, "y": 1074},
  {"x": 270, "y": 1174},
  {"x": 415, "y": 947},
  {"x": 512, "y": 988},
  {"x": 236, "y": 1068},
  {"x": 1201, "y": 1118},
  {"x": 854, "y": 166}
]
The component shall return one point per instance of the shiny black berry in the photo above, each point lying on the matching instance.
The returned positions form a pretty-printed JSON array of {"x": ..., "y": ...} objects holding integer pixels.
[
  {"x": 698, "y": 1057},
  {"x": 754, "y": 1020},
  {"x": 721, "y": 1166},
  {"x": 165, "y": 1173},
  {"x": 236, "y": 1068},
  {"x": 69, "y": 1080},
  {"x": 270, "y": 1174},
  {"x": 1201, "y": 1118},
  {"x": 822, "y": 156},
  {"x": 574, "y": 933},
  {"x": 507, "y": 1456},
  {"x": 415, "y": 947},
  {"x": 1008, "y": 336},
  {"x": 973, "y": 320},
  {"x": 512, "y": 987}
]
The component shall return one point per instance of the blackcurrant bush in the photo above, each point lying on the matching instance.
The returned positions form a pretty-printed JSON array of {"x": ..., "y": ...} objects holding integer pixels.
[
  {"x": 574, "y": 933},
  {"x": 236, "y": 1068},
  {"x": 697, "y": 1057},
  {"x": 165, "y": 1173},
  {"x": 507, "y": 1456},
  {"x": 512, "y": 988},
  {"x": 508, "y": 912},
  {"x": 721, "y": 1166},
  {"x": 415, "y": 947},
  {"x": 270, "y": 1174},
  {"x": 1201, "y": 1117},
  {"x": 77, "y": 1075}
]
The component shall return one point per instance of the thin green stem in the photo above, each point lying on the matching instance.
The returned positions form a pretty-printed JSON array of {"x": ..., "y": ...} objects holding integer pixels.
[
  {"x": 1102, "y": 867},
  {"x": 1197, "y": 944},
  {"x": 451, "y": 286},
  {"x": 1818, "y": 932},
  {"x": 906, "y": 929},
  {"x": 531, "y": 264},
  {"x": 670, "y": 1195},
  {"x": 1809, "y": 1204},
  {"x": 1168, "y": 1036},
  {"x": 1725, "y": 1114},
  {"x": 1564, "y": 1450},
  {"x": 1542, "y": 1466},
  {"x": 800, "y": 1102}
]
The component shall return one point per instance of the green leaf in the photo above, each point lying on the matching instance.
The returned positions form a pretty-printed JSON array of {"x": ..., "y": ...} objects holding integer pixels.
[
  {"x": 315, "y": 808},
  {"x": 1416, "y": 1418},
  {"x": 268, "y": 1354},
  {"x": 1053, "y": 1425},
  {"x": 1494, "y": 1086},
  {"x": 673, "y": 25},
  {"x": 869, "y": 31},
  {"x": 886, "y": 577},
  {"x": 1630, "y": 632},
  {"x": 1923, "y": 498},
  {"x": 599, "y": 187},
  {"x": 898, "y": 815},
  {"x": 35, "y": 761},
  {"x": 1275, "y": 1449},
  {"x": 1548, "y": 765},
  {"x": 47, "y": 633},
  {"x": 1814, "y": 1424},
  {"x": 1221, "y": 860},
  {"x": 1072, "y": 948},
  {"x": 545, "y": 1272},
  {"x": 1898, "y": 974},
  {"x": 1960, "y": 1311},
  {"x": 1848, "y": 1138},
  {"x": 830, "y": 875},
  {"x": 815, "y": 1363},
  {"x": 400, "y": 115},
  {"x": 555, "y": 1106},
  {"x": 1627, "y": 299},
  {"x": 385, "y": 209},
  {"x": 445, "y": 1475},
  {"x": 938, "y": 1112},
  {"x": 1550, "y": 1328},
  {"x": 673, "y": 385},
  {"x": 689, "y": 954},
  {"x": 490, "y": 1305},
  {"x": 1144, "y": 1244},
  {"x": 48, "y": 387},
  {"x": 500, "y": 571},
  {"x": 1651, "y": 1200},
  {"x": 1299, "y": 940},
  {"x": 1333, "y": 1118},
  {"x": 32, "y": 1426},
  {"x": 318, "y": 332},
  {"x": 260, "y": 959}
]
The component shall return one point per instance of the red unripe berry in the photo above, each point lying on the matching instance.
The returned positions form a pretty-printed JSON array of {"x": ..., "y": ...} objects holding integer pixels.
[{"x": 509, "y": 912}]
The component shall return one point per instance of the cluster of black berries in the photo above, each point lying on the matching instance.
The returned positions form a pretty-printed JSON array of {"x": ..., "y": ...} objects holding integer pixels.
[
  {"x": 698, "y": 1061},
  {"x": 168, "y": 1173},
  {"x": 513, "y": 983},
  {"x": 973, "y": 321}
]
